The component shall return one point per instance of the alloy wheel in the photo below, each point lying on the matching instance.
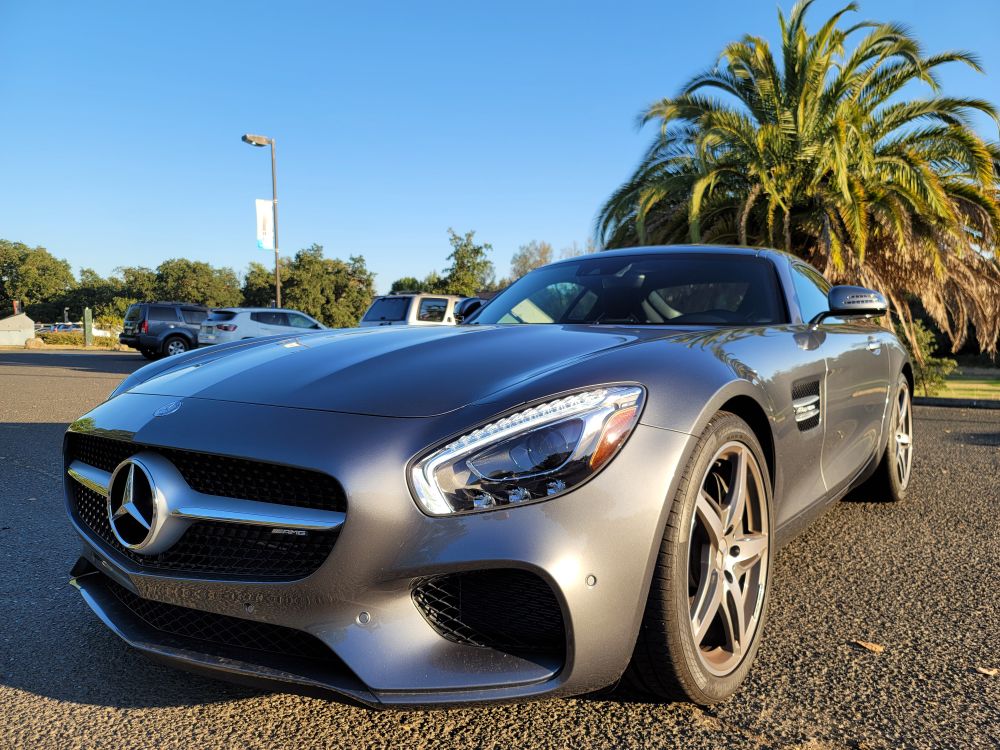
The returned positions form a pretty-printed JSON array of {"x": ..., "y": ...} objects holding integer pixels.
[
  {"x": 903, "y": 436},
  {"x": 174, "y": 347},
  {"x": 728, "y": 559}
]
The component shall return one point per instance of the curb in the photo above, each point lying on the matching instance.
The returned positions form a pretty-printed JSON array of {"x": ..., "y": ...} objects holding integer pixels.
[{"x": 957, "y": 403}]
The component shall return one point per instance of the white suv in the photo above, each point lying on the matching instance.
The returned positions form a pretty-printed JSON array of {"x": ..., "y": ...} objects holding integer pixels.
[
  {"x": 236, "y": 323},
  {"x": 411, "y": 310}
]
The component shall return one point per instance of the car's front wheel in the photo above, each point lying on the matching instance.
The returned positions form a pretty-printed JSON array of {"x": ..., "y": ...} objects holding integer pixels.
[
  {"x": 708, "y": 598},
  {"x": 175, "y": 345}
]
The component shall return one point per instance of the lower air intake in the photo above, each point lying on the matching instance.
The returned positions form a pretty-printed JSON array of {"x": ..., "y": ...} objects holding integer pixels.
[
  {"x": 507, "y": 610},
  {"x": 222, "y": 630}
]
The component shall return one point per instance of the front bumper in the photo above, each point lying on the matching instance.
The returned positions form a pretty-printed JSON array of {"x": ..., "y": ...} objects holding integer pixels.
[{"x": 606, "y": 532}]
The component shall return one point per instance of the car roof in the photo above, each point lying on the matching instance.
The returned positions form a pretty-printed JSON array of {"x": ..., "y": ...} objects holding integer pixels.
[
  {"x": 402, "y": 295},
  {"x": 259, "y": 309},
  {"x": 678, "y": 250}
]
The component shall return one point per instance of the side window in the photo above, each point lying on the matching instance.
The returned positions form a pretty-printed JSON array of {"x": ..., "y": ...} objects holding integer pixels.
[
  {"x": 194, "y": 316},
  {"x": 162, "y": 312},
  {"x": 269, "y": 318},
  {"x": 811, "y": 289},
  {"x": 432, "y": 310},
  {"x": 299, "y": 321}
]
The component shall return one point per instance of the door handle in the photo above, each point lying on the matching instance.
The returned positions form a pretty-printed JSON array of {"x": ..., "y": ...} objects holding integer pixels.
[{"x": 873, "y": 345}]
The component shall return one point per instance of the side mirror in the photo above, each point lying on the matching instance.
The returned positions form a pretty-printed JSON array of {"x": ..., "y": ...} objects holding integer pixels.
[
  {"x": 464, "y": 308},
  {"x": 852, "y": 302}
]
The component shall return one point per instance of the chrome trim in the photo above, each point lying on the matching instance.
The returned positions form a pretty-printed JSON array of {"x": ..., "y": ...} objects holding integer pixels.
[
  {"x": 91, "y": 477},
  {"x": 806, "y": 407},
  {"x": 184, "y": 505}
]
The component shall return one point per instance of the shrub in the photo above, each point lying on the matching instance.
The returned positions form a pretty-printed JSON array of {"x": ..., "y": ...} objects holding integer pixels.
[
  {"x": 73, "y": 338},
  {"x": 929, "y": 372}
]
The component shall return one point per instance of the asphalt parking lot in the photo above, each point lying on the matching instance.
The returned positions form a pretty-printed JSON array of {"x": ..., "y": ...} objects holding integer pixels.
[{"x": 920, "y": 579}]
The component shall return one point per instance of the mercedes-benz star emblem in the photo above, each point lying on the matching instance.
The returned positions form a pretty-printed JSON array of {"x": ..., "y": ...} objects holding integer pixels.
[{"x": 131, "y": 506}]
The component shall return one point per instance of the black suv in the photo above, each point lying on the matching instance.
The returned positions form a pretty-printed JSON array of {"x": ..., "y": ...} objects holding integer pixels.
[{"x": 162, "y": 329}]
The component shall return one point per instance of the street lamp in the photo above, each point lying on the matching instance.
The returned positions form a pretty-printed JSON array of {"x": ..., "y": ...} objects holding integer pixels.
[{"x": 261, "y": 141}]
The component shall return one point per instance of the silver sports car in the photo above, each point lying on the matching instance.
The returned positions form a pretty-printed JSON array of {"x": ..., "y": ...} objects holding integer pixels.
[{"x": 586, "y": 481}]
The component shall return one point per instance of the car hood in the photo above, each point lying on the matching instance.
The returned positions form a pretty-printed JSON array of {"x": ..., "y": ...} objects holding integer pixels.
[{"x": 388, "y": 371}]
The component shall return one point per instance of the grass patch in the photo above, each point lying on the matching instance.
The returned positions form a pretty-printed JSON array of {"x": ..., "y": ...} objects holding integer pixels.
[{"x": 975, "y": 387}]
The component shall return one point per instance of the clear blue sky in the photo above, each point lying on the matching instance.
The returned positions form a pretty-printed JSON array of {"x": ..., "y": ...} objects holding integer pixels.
[{"x": 121, "y": 122}]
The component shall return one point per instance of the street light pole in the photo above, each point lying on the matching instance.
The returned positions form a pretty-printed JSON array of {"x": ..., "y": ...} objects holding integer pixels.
[
  {"x": 274, "y": 198},
  {"x": 261, "y": 141}
]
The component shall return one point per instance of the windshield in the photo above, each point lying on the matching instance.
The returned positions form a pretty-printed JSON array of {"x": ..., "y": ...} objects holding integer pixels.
[{"x": 680, "y": 289}]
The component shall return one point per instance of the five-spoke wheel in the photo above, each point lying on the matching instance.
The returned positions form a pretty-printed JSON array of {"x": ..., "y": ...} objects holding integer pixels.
[{"x": 727, "y": 558}]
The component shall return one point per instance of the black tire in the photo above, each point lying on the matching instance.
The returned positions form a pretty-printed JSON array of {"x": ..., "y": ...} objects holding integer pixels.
[
  {"x": 667, "y": 662},
  {"x": 890, "y": 483},
  {"x": 174, "y": 345},
  {"x": 149, "y": 353}
]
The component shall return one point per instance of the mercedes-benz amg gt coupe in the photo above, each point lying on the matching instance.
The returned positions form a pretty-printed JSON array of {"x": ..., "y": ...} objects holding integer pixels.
[{"x": 585, "y": 482}]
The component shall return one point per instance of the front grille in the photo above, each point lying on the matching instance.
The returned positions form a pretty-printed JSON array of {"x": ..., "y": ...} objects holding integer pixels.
[
  {"x": 508, "y": 610},
  {"x": 220, "y": 475},
  {"x": 222, "y": 629},
  {"x": 211, "y": 547}
]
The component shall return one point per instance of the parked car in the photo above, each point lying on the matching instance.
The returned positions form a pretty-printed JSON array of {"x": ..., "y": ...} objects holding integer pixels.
[
  {"x": 589, "y": 479},
  {"x": 411, "y": 310},
  {"x": 237, "y": 323},
  {"x": 162, "y": 329}
]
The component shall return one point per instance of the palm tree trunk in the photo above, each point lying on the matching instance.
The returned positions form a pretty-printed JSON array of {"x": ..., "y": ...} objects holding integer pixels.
[
  {"x": 788, "y": 230},
  {"x": 745, "y": 213}
]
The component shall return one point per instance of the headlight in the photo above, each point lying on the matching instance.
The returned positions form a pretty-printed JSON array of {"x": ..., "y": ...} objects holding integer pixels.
[{"x": 534, "y": 454}]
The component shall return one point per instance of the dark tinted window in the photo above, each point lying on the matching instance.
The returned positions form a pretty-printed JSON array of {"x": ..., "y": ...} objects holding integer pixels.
[
  {"x": 432, "y": 310},
  {"x": 811, "y": 289},
  {"x": 161, "y": 312},
  {"x": 133, "y": 312},
  {"x": 680, "y": 289},
  {"x": 388, "y": 308},
  {"x": 270, "y": 318},
  {"x": 194, "y": 316},
  {"x": 221, "y": 315},
  {"x": 297, "y": 320}
]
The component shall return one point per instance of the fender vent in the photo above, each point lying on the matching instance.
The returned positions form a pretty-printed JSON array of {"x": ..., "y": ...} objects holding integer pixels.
[{"x": 806, "y": 404}]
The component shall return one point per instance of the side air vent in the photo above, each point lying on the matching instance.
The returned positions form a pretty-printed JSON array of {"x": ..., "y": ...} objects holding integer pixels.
[{"x": 806, "y": 404}]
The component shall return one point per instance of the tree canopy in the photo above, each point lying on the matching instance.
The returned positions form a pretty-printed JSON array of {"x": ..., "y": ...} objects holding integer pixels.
[
  {"x": 822, "y": 150},
  {"x": 333, "y": 291}
]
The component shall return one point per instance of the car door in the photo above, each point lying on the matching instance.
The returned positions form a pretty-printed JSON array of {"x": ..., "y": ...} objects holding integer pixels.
[
  {"x": 271, "y": 323},
  {"x": 856, "y": 385}
]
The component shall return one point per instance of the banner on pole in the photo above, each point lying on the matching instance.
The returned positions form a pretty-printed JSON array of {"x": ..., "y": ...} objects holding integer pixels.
[{"x": 265, "y": 224}]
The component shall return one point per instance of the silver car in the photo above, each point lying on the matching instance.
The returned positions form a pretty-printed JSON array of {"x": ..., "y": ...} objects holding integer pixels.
[{"x": 586, "y": 480}]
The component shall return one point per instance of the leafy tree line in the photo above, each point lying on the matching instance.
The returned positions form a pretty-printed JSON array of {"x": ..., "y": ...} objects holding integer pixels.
[
  {"x": 331, "y": 290},
  {"x": 838, "y": 147},
  {"x": 472, "y": 272}
]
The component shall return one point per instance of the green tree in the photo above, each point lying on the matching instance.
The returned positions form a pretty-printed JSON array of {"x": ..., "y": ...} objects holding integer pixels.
[
  {"x": 333, "y": 291},
  {"x": 138, "y": 282},
  {"x": 186, "y": 280},
  {"x": 258, "y": 283},
  {"x": 36, "y": 278},
  {"x": 820, "y": 151},
  {"x": 529, "y": 257},
  {"x": 471, "y": 270},
  {"x": 407, "y": 284},
  {"x": 93, "y": 291},
  {"x": 929, "y": 371}
]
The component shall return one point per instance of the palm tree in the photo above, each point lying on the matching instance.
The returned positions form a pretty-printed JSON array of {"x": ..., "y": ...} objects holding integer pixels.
[{"x": 819, "y": 153}]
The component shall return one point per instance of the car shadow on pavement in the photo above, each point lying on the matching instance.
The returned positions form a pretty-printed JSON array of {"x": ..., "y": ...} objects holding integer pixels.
[{"x": 110, "y": 363}]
